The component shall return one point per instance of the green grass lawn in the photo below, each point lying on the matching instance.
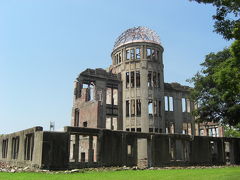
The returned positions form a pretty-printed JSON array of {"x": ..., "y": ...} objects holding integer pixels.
[{"x": 185, "y": 174}]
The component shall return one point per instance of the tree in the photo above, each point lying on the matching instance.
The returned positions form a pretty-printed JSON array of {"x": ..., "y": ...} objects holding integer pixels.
[
  {"x": 217, "y": 88},
  {"x": 232, "y": 131},
  {"x": 226, "y": 17},
  {"x": 217, "y": 85}
]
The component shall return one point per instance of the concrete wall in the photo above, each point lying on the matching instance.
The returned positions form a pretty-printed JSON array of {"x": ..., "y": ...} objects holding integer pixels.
[
  {"x": 21, "y": 159},
  {"x": 53, "y": 150}
]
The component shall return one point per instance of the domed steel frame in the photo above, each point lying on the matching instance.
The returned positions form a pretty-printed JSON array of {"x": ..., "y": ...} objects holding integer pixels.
[{"x": 137, "y": 34}]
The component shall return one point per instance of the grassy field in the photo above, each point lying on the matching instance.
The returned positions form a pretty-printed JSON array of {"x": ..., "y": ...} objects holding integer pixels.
[{"x": 185, "y": 174}]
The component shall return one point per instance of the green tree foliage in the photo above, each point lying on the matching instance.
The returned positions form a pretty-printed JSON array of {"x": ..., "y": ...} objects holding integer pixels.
[
  {"x": 232, "y": 131},
  {"x": 217, "y": 88},
  {"x": 217, "y": 85},
  {"x": 226, "y": 17}
]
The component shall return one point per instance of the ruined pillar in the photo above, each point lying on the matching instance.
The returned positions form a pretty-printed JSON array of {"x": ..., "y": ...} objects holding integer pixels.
[
  {"x": 124, "y": 149},
  {"x": 150, "y": 151},
  {"x": 90, "y": 150},
  {"x": 179, "y": 149},
  {"x": 9, "y": 149},
  {"x": 99, "y": 147},
  {"x": 76, "y": 148}
]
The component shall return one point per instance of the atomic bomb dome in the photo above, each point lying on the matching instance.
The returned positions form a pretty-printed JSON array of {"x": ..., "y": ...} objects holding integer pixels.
[
  {"x": 137, "y": 34},
  {"x": 125, "y": 115}
]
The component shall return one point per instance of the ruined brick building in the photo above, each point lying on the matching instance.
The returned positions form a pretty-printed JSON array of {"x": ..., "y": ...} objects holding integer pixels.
[
  {"x": 131, "y": 94},
  {"x": 125, "y": 116}
]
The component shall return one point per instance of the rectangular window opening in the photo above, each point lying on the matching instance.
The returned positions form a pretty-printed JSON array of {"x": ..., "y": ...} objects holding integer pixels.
[
  {"x": 170, "y": 103},
  {"x": 109, "y": 96},
  {"x": 150, "y": 108},
  {"x": 217, "y": 132},
  {"x": 172, "y": 128},
  {"x": 183, "y": 105},
  {"x": 15, "y": 147},
  {"x": 4, "y": 148},
  {"x": 127, "y": 54},
  {"x": 158, "y": 55},
  {"x": 153, "y": 54},
  {"x": 139, "y": 130},
  {"x": 117, "y": 59},
  {"x": 85, "y": 86},
  {"x": 132, "y": 78},
  {"x": 133, "y": 107},
  {"x": 115, "y": 96},
  {"x": 188, "y": 105},
  {"x": 154, "y": 79},
  {"x": 127, "y": 79},
  {"x": 108, "y": 123},
  {"x": 114, "y": 123},
  {"x": 159, "y": 84},
  {"x": 137, "y": 78},
  {"x": 83, "y": 159},
  {"x": 138, "y": 56},
  {"x": 28, "y": 146},
  {"x": 120, "y": 58},
  {"x": 166, "y": 103},
  {"x": 85, "y": 148},
  {"x": 127, "y": 108},
  {"x": 148, "y": 53},
  {"x": 85, "y": 124},
  {"x": 132, "y": 52},
  {"x": 91, "y": 92},
  {"x": 214, "y": 132},
  {"x": 76, "y": 117},
  {"x": 138, "y": 107},
  {"x": 94, "y": 148},
  {"x": 129, "y": 149},
  {"x": 155, "y": 107},
  {"x": 149, "y": 79},
  {"x": 189, "y": 128},
  {"x": 72, "y": 148},
  {"x": 159, "y": 108},
  {"x": 185, "y": 128}
]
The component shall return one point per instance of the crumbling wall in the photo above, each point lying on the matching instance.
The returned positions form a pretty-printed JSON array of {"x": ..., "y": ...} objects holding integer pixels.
[
  {"x": 97, "y": 98},
  {"x": 79, "y": 147},
  {"x": 23, "y": 148},
  {"x": 89, "y": 114},
  {"x": 178, "y": 109}
]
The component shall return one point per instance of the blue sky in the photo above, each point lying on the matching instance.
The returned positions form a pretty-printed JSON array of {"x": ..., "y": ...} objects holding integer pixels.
[{"x": 45, "y": 44}]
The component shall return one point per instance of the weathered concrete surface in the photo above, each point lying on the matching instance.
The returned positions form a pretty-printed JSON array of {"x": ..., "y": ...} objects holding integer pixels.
[
  {"x": 19, "y": 156},
  {"x": 55, "y": 151},
  {"x": 52, "y": 150}
]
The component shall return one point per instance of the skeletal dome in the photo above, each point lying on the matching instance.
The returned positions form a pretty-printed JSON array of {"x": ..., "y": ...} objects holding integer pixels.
[{"x": 137, "y": 34}]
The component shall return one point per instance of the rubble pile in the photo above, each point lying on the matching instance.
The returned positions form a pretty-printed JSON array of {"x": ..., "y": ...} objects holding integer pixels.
[{"x": 4, "y": 167}]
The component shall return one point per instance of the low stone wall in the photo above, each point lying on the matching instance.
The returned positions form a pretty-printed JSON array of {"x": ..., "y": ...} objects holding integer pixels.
[
  {"x": 23, "y": 148},
  {"x": 87, "y": 147}
]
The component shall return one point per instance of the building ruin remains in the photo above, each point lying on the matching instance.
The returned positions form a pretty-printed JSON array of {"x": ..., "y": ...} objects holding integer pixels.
[{"x": 125, "y": 115}]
